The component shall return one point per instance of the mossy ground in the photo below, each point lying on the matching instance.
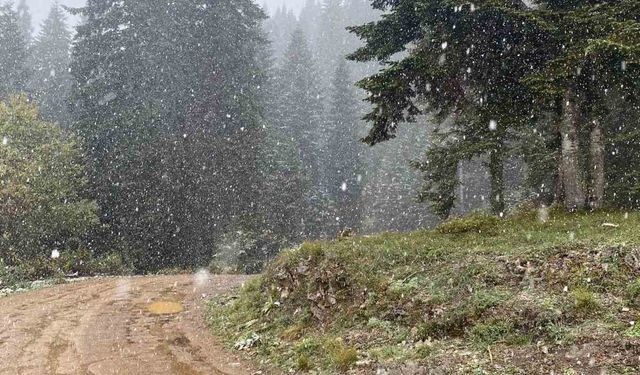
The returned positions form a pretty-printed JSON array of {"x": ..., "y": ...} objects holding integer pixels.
[{"x": 533, "y": 293}]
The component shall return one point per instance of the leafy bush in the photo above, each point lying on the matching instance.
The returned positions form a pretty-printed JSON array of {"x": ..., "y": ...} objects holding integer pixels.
[
  {"x": 111, "y": 264},
  {"x": 4, "y": 282},
  {"x": 469, "y": 224},
  {"x": 41, "y": 181}
]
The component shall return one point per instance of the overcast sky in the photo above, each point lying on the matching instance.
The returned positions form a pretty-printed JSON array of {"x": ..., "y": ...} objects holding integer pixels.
[{"x": 40, "y": 8}]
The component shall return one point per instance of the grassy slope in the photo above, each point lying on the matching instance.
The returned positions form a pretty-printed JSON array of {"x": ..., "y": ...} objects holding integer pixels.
[{"x": 477, "y": 295}]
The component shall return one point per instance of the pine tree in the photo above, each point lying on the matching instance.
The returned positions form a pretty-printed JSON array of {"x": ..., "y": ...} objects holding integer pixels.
[
  {"x": 331, "y": 40},
  {"x": 466, "y": 69},
  {"x": 174, "y": 170},
  {"x": 515, "y": 68},
  {"x": 344, "y": 168},
  {"x": 51, "y": 81},
  {"x": 24, "y": 18},
  {"x": 13, "y": 53},
  {"x": 279, "y": 29},
  {"x": 309, "y": 21},
  {"x": 299, "y": 113}
]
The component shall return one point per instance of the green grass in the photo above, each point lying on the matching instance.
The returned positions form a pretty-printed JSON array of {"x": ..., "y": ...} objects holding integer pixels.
[{"x": 475, "y": 285}]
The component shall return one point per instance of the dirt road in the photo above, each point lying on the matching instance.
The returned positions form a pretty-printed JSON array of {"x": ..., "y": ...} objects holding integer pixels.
[{"x": 105, "y": 326}]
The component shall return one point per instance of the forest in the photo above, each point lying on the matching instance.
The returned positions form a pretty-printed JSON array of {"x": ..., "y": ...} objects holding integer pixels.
[{"x": 180, "y": 135}]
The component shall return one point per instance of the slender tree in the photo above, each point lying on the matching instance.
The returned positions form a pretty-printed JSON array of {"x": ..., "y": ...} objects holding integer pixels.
[{"x": 345, "y": 171}]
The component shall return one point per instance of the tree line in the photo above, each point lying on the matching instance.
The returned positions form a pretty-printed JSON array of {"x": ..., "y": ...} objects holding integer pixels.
[
  {"x": 182, "y": 151},
  {"x": 205, "y": 133}
]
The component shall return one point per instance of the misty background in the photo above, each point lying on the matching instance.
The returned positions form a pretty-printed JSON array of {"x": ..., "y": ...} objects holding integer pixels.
[{"x": 40, "y": 8}]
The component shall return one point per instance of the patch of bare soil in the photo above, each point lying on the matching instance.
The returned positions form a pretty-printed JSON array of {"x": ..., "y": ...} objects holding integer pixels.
[{"x": 105, "y": 326}]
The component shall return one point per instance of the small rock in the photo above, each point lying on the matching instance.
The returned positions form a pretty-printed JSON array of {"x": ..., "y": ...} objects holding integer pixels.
[
  {"x": 610, "y": 225},
  {"x": 363, "y": 362}
]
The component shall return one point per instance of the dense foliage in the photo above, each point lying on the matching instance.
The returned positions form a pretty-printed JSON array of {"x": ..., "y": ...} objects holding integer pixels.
[
  {"x": 508, "y": 80},
  {"x": 42, "y": 186},
  {"x": 172, "y": 170}
]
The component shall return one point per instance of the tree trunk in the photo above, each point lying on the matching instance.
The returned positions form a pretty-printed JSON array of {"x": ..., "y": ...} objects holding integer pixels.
[
  {"x": 572, "y": 177},
  {"x": 596, "y": 160},
  {"x": 496, "y": 169}
]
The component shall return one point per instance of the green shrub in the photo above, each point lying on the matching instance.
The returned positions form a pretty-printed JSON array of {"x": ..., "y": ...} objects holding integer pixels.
[
  {"x": 424, "y": 351},
  {"x": 558, "y": 333},
  {"x": 470, "y": 224},
  {"x": 4, "y": 275},
  {"x": 77, "y": 261},
  {"x": 585, "y": 301},
  {"x": 111, "y": 264},
  {"x": 633, "y": 292},
  {"x": 342, "y": 357},
  {"x": 633, "y": 332},
  {"x": 303, "y": 363}
]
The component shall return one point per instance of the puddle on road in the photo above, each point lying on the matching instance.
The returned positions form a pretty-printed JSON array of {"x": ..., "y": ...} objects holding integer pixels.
[{"x": 165, "y": 308}]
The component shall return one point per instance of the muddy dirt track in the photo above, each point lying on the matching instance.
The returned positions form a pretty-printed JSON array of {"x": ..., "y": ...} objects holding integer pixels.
[{"x": 104, "y": 326}]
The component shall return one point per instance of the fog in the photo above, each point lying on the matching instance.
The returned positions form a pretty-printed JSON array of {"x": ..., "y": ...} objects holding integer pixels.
[{"x": 40, "y": 8}]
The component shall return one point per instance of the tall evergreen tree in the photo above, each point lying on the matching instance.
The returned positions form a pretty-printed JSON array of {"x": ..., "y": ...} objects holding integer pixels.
[
  {"x": 51, "y": 81},
  {"x": 310, "y": 22},
  {"x": 299, "y": 113},
  {"x": 24, "y": 18},
  {"x": 345, "y": 170},
  {"x": 173, "y": 169},
  {"x": 13, "y": 53},
  {"x": 466, "y": 68},
  {"x": 493, "y": 71},
  {"x": 279, "y": 28},
  {"x": 332, "y": 38}
]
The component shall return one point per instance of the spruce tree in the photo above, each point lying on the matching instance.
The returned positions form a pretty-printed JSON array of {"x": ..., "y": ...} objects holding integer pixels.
[
  {"x": 24, "y": 18},
  {"x": 345, "y": 171},
  {"x": 310, "y": 22},
  {"x": 299, "y": 113},
  {"x": 466, "y": 68},
  {"x": 595, "y": 49},
  {"x": 51, "y": 81},
  {"x": 279, "y": 28},
  {"x": 13, "y": 53},
  {"x": 332, "y": 38},
  {"x": 173, "y": 169}
]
